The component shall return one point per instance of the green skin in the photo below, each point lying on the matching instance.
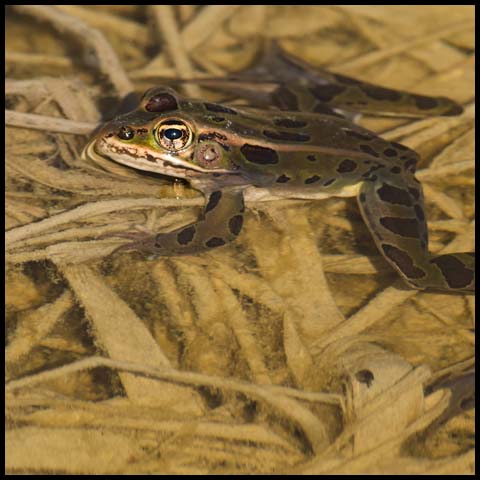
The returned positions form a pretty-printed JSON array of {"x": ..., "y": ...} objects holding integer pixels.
[{"x": 312, "y": 150}]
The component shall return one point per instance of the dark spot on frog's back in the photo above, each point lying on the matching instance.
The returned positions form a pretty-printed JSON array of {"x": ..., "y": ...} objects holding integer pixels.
[
  {"x": 454, "y": 271},
  {"x": 312, "y": 179},
  {"x": 217, "y": 108},
  {"x": 379, "y": 93},
  {"x": 390, "y": 152},
  {"x": 186, "y": 235},
  {"x": 289, "y": 123},
  {"x": 213, "y": 200},
  {"x": 368, "y": 149},
  {"x": 283, "y": 179},
  {"x": 453, "y": 110},
  {"x": 235, "y": 224},
  {"x": 425, "y": 103},
  {"x": 405, "y": 227},
  {"x": 215, "y": 242},
  {"x": 346, "y": 166},
  {"x": 161, "y": 102},
  {"x": 394, "y": 195},
  {"x": 287, "y": 136},
  {"x": 326, "y": 93},
  {"x": 403, "y": 261},
  {"x": 357, "y": 135},
  {"x": 259, "y": 155}
]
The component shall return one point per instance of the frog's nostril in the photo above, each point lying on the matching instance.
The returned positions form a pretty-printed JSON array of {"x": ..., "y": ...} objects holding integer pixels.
[{"x": 126, "y": 133}]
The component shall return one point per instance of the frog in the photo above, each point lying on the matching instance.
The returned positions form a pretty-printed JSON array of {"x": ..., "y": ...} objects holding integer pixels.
[{"x": 301, "y": 143}]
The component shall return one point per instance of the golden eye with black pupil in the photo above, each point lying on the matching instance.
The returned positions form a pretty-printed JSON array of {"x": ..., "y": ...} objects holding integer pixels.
[
  {"x": 173, "y": 135},
  {"x": 126, "y": 133}
]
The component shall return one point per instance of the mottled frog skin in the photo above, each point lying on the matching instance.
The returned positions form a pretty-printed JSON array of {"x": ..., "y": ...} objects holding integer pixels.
[{"x": 305, "y": 148}]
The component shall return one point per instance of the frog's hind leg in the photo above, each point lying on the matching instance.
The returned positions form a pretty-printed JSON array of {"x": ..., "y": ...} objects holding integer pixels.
[
  {"x": 219, "y": 223},
  {"x": 395, "y": 217},
  {"x": 305, "y": 88},
  {"x": 348, "y": 94},
  {"x": 291, "y": 84}
]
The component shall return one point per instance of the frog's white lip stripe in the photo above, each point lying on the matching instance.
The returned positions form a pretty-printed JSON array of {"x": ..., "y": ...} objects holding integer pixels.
[{"x": 167, "y": 164}]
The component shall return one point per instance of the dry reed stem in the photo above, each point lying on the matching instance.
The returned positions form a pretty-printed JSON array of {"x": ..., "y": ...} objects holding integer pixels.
[
  {"x": 404, "y": 46},
  {"x": 38, "y": 59},
  {"x": 164, "y": 17},
  {"x": 181, "y": 314},
  {"x": 370, "y": 461},
  {"x": 237, "y": 320},
  {"x": 30, "y": 331},
  {"x": 205, "y": 23},
  {"x": 272, "y": 395},
  {"x": 92, "y": 209},
  {"x": 374, "y": 311},
  {"x": 445, "y": 170},
  {"x": 42, "y": 122},
  {"x": 430, "y": 127},
  {"x": 91, "y": 38},
  {"x": 124, "y": 336},
  {"x": 127, "y": 29},
  {"x": 444, "y": 202}
]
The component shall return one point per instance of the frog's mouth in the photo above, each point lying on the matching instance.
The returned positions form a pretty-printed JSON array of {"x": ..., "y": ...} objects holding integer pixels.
[{"x": 142, "y": 159}]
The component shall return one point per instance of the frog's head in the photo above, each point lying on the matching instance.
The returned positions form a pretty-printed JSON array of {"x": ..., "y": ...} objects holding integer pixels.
[{"x": 164, "y": 134}]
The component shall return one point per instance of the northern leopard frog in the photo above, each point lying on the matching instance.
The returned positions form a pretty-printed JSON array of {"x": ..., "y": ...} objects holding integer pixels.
[{"x": 306, "y": 148}]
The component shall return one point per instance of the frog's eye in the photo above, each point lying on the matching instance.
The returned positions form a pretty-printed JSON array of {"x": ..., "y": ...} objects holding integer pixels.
[{"x": 173, "y": 135}]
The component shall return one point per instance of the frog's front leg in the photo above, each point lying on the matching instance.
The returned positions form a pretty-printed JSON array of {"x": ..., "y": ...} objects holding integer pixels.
[
  {"x": 394, "y": 213},
  {"x": 219, "y": 223}
]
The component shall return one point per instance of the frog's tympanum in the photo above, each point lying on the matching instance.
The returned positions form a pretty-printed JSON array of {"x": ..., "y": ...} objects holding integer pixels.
[{"x": 307, "y": 147}]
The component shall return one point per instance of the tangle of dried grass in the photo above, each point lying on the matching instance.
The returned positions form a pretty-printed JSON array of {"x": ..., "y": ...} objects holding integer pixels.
[{"x": 222, "y": 363}]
